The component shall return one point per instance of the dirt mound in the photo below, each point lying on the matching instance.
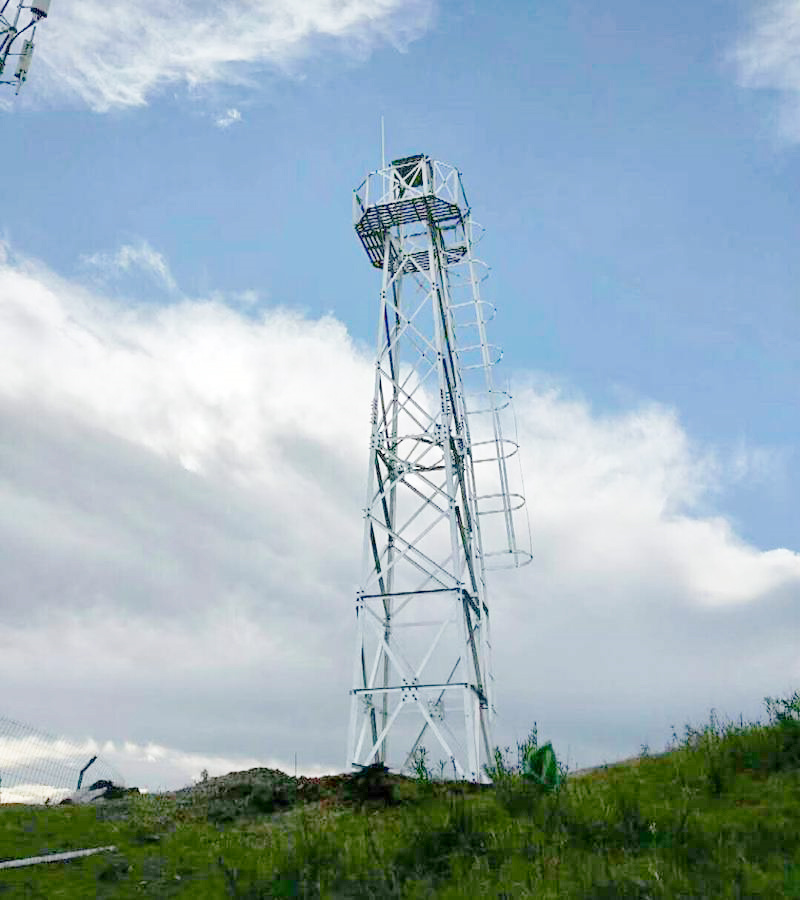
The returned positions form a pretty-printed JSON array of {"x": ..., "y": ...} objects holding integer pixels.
[{"x": 261, "y": 791}]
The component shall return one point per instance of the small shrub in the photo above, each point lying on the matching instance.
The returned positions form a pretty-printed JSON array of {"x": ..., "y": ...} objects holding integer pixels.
[{"x": 371, "y": 785}]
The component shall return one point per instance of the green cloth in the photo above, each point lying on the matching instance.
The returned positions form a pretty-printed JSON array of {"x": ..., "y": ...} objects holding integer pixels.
[{"x": 541, "y": 766}]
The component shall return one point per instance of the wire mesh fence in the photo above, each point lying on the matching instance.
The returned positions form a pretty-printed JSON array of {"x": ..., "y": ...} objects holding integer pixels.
[{"x": 37, "y": 767}]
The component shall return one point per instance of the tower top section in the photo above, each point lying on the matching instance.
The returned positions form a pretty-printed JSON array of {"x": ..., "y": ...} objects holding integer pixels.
[{"x": 411, "y": 190}]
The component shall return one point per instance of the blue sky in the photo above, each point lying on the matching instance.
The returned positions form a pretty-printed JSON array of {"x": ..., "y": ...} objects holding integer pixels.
[
  {"x": 635, "y": 166},
  {"x": 638, "y": 204}
]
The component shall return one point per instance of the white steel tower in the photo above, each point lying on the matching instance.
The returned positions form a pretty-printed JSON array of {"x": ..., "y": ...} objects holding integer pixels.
[
  {"x": 23, "y": 21},
  {"x": 440, "y": 509}
]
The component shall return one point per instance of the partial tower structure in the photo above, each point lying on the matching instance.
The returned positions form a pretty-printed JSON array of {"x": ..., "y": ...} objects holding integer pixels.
[
  {"x": 440, "y": 507},
  {"x": 20, "y": 20}
]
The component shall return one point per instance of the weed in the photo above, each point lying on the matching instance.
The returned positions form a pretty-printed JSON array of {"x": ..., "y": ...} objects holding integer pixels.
[
  {"x": 527, "y": 746},
  {"x": 501, "y": 768},
  {"x": 419, "y": 765}
]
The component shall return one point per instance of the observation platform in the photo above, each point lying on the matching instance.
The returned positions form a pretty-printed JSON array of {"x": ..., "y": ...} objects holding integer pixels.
[{"x": 414, "y": 189}]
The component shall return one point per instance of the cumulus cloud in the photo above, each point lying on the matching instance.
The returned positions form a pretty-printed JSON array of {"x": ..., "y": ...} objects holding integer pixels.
[
  {"x": 180, "y": 529},
  {"x": 118, "y": 53},
  {"x": 768, "y": 57},
  {"x": 639, "y": 471}
]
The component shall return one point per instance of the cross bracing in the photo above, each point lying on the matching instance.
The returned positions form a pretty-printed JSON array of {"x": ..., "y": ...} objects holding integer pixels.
[{"x": 422, "y": 669}]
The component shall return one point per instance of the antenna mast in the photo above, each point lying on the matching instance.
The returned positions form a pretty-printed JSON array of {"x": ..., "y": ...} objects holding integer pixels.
[
  {"x": 12, "y": 29},
  {"x": 422, "y": 661}
]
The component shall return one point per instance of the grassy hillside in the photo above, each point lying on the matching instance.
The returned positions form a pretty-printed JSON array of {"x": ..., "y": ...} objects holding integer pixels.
[{"x": 717, "y": 816}]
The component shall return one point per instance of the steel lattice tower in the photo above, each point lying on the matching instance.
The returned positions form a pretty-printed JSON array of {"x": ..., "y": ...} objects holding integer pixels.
[
  {"x": 423, "y": 653},
  {"x": 12, "y": 29}
]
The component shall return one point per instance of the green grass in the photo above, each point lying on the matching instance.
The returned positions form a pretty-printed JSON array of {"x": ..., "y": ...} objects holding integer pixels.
[{"x": 717, "y": 816}]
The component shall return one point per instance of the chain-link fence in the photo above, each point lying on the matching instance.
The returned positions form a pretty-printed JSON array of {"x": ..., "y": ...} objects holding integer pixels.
[{"x": 36, "y": 767}]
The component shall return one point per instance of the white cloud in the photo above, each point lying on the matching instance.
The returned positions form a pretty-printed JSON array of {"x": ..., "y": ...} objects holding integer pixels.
[
  {"x": 230, "y": 117},
  {"x": 140, "y": 256},
  {"x": 117, "y": 53},
  {"x": 768, "y": 57},
  {"x": 622, "y": 490},
  {"x": 180, "y": 524}
]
